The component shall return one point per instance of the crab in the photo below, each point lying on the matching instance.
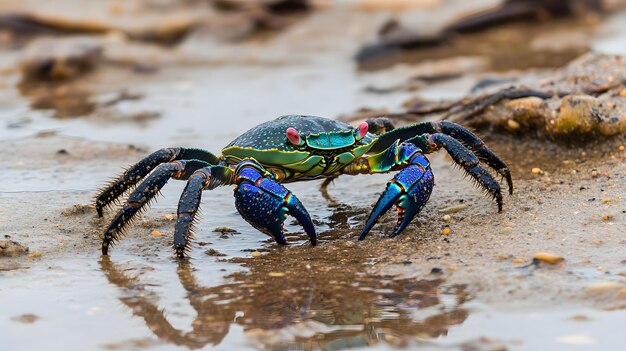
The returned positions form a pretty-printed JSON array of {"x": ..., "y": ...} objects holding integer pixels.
[{"x": 298, "y": 148}]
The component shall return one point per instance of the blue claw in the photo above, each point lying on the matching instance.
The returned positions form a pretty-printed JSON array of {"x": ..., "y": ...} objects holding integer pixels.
[
  {"x": 265, "y": 204},
  {"x": 409, "y": 190}
]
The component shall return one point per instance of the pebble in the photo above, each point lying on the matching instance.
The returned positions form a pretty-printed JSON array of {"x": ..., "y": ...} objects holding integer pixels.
[
  {"x": 11, "y": 248},
  {"x": 156, "y": 233},
  {"x": 620, "y": 148},
  {"x": 169, "y": 217},
  {"x": 548, "y": 257},
  {"x": 446, "y": 231},
  {"x": 276, "y": 274},
  {"x": 518, "y": 260},
  {"x": 447, "y": 218},
  {"x": 536, "y": 170},
  {"x": 256, "y": 254},
  {"x": 512, "y": 124},
  {"x": 213, "y": 252},
  {"x": 27, "y": 318},
  {"x": 34, "y": 254},
  {"x": 594, "y": 173}
]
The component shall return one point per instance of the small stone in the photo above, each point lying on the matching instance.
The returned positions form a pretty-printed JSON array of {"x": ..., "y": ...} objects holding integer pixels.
[
  {"x": 446, "y": 218},
  {"x": 276, "y": 274},
  {"x": 256, "y": 254},
  {"x": 446, "y": 231},
  {"x": 156, "y": 232},
  {"x": 622, "y": 93},
  {"x": 607, "y": 217},
  {"x": 594, "y": 173},
  {"x": 213, "y": 252},
  {"x": 436, "y": 270},
  {"x": 503, "y": 257},
  {"x": 620, "y": 148},
  {"x": 11, "y": 248},
  {"x": 518, "y": 260},
  {"x": 35, "y": 254},
  {"x": 536, "y": 170},
  {"x": 169, "y": 217},
  {"x": 27, "y": 318},
  {"x": 512, "y": 124},
  {"x": 548, "y": 258}
]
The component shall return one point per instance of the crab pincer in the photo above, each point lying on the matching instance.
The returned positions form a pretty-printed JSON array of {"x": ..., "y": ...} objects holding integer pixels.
[
  {"x": 409, "y": 190},
  {"x": 265, "y": 204}
]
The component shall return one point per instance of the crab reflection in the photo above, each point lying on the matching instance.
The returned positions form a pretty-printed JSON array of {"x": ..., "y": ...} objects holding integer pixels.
[{"x": 316, "y": 307}]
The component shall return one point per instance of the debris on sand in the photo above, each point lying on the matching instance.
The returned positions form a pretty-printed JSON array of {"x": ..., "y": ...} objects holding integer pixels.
[
  {"x": 224, "y": 230},
  {"x": 27, "y": 318},
  {"x": 78, "y": 209},
  {"x": 10, "y": 248},
  {"x": 213, "y": 252},
  {"x": 408, "y": 33},
  {"x": 60, "y": 59},
  {"x": 453, "y": 209},
  {"x": 168, "y": 23},
  {"x": 580, "y": 101}
]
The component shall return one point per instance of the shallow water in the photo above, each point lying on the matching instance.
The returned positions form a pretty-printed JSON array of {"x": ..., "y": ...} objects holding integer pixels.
[{"x": 298, "y": 298}]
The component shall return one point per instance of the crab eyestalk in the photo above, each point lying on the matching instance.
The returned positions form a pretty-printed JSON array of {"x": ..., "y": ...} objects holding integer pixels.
[
  {"x": 294, "y": 137},
  {"x": 361, "y": 131}
]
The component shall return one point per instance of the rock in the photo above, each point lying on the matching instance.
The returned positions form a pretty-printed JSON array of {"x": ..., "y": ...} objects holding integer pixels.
[
  {"x": 10, "y": 248},
  {"x": 548, "y": 258},
  {"x": 27, "y": 318},
  {"x": 60, "y": 59}
]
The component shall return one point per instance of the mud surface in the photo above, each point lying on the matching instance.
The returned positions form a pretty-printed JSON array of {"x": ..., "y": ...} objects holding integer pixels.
[{"x": 476, "y": 288}]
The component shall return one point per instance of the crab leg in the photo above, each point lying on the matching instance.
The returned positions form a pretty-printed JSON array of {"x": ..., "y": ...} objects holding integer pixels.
[
  {"x": 464, "y": 158},
  {"x": 144, "y": 193},
  {"x": 205, "y": 178},
  {"x": 265, "y": 204},
  {"x": 466, "y": 137},
  {"x": 138, "y": 171}
]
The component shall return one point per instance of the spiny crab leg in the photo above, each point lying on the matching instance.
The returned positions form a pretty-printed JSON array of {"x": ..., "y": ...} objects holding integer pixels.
[
  {"x": 141, "y": 169},
  {"x": 208, "y": 177},
  {"x": 143, "y": 194},
  {"x": 468, "y": 139}
]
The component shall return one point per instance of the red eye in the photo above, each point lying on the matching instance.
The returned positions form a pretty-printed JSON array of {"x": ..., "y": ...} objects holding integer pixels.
[
  {"x": 294, "y": 136},
  {"x": 362, "y": 130}
]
